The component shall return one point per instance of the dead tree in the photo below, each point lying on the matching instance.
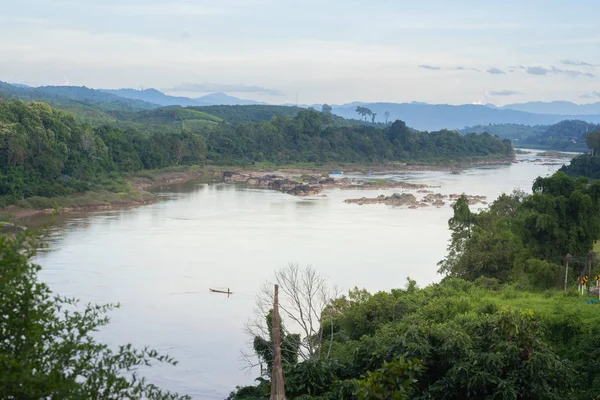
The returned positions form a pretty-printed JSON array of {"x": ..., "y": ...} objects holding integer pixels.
[
  {"x": 303, "y": 300},
  {"x": 277, "y": 381}
]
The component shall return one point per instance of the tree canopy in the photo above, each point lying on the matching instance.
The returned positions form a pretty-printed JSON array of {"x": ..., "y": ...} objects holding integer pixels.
[
  {"x": 48, "y": 348},
  {"x": 519, "y": 234},
  {"x": 47, "y": 152}
]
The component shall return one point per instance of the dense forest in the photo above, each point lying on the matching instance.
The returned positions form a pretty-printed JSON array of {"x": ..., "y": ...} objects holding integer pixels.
[
  {"x": 568, "y": 135},
  {"x": 47, "y": 152},
  {"x": 512, "y": 132},
  {"x": 586, "y": 165},
  {"x": 312, "y": 136},
  {"x": 499, "y": 325}
]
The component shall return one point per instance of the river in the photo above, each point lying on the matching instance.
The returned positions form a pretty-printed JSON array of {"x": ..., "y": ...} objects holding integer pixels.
[{"x": 158, "y": 261}]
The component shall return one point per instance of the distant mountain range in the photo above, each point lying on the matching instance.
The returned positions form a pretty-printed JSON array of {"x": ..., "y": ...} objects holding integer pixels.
[
  {"x": 430, "y": 117},
  {"x": 157, "y": 97},
  {"x": 421, "y": 116},
  {"x": 554, "y": 107}
]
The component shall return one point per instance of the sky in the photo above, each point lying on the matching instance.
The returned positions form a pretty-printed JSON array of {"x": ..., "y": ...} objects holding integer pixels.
[{"x": 310, "y": 51}]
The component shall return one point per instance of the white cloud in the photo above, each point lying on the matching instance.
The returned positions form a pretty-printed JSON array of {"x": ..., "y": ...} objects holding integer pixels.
[
  {"x": 164, "y": 8},
  {"x": 208, "y": 87}
]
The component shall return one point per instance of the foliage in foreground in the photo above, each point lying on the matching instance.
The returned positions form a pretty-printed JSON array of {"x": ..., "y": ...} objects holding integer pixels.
[
  {"x": 453, "y": 340},
  {"x": 48, "y": 349}
]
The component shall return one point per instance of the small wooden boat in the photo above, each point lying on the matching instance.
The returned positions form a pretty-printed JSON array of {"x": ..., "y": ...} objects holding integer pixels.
[{"x": 220, "y": 291}]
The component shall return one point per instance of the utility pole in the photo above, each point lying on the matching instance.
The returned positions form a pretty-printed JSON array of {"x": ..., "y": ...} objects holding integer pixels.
[
  {"x": 567, "y": 261},
  {"x": 277, "y": 382},
  {"x": 590, "y": 259}
]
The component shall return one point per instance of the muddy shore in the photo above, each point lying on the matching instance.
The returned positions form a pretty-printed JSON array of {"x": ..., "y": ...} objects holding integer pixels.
[{"x": 294, "y": 181}]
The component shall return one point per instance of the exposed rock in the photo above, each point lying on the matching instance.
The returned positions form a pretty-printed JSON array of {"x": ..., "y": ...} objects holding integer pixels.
[
  {"x": 370, "y": 185},
  {"x": 305, "y": 190},
  {"x": 407, "y": 199},
  {"x": 229, "y": 176},
  {"x": 282, "y": 184},
  {"x": 396, "y": 200},
  {"x": 310, "y": 185},
  {"x": 432, "y": 198}
]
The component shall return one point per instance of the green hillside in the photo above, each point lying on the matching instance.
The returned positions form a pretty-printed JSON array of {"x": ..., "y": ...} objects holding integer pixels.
[
  {"x": 47, "y": 152},
  {"x": 86, "y": 104},
  {"x": 567, "y": 135},
  {"x": 513, "y": 132},
  {"x": 252, "y": 113}
]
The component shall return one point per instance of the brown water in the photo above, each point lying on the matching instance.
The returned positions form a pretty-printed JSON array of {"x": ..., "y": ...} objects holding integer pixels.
[{"x": 159, "y": 260}]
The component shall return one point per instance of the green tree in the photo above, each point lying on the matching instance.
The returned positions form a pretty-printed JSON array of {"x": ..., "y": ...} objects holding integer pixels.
[
  {"x": 593, "y": 141},
  {"x": 394, "y": 380},
  {"x": 561, "y": 217},
  {"x": 326, "y": 109},
  {"x": 263, "y": 347},
  {"x": 48, "y": 348},
  {"x": 461, "y": 225},
  {"x": 363, "y": 112}
]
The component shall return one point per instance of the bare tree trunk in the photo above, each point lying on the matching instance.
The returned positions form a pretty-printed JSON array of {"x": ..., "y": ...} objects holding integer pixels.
[
  {"x": 567, "y": 259},
  {"x": 590, "y": 259},
  {"x": 277, "y": 382}
]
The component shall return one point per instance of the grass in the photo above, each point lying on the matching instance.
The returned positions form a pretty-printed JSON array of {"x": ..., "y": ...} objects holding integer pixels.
[
  {"x": 87, "y": 199},
  {"x": 547, "y": 304}
]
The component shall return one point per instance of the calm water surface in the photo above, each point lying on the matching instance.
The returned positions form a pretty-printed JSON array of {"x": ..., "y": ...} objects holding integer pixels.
[{"x": 158, "y": 261}]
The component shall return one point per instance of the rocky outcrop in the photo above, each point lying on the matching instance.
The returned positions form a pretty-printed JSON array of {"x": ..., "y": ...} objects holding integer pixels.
[
  {"x": 395, "y": 200},
  {"x": 376, "y": 185},
  {"x": 305, "y": 190},
  {"x": 229, "y": 176},
  {"x": 310, "y": 186},
  {"x": 408, "y": 199}
]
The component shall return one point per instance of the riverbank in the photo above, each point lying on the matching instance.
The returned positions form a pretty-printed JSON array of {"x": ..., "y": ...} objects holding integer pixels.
[
  {"x": 304, "y": 179},
  {"x": 135, "y": 192}
]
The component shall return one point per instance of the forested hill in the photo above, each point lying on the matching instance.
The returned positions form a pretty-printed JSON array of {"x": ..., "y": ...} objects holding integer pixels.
[
  {"x": 567, "y": 135},
  {"x": 249, "y": 113},
  {"x": 47, "y": 152},
  {"x": 312, "y": 136},
  {"x": 238, "y": 114},
  {"x": 72, "y": 96}
]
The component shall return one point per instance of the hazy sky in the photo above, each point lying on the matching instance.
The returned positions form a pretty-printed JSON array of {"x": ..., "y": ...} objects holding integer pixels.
[{"x": 335, "y": 51}]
